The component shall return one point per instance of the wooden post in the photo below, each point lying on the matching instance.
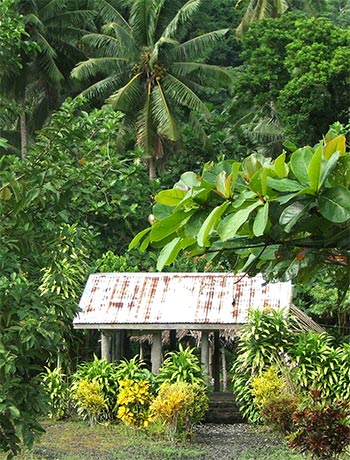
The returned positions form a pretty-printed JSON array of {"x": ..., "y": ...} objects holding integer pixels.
[
  {"x": 205, "y": 354},
  {"x": 216, "y": 361},
  {"x": 117, "y": 346},
  {"x": 173, "y": 341},
  {"x": 224, "y": 369},
  {"x": 156, "y": 352},
  {"x": 106, "y": 348}
]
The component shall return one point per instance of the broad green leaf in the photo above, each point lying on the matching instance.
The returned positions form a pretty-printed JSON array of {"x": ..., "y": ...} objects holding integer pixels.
[
  {"x": 170, "y": 197},
  {"x": 334, "y": 204},
  {"x": 170, "y": 251},
  {"x": 258, "y": 182},
  {"x": 161, "y": 211},
  {"x": 145, "y": 243},
  {"x": 234, "y": 174},
  {"x": 292, "y": 213},
  {"x": 137, "y": 238},
  {"x": 328, "y": 166},
  {"x": 260, "y": 220},
  {"x": 169, "y": 225},
  {"x": 190, "y": 179},
  {"x": 230, "y": 225},
  {"x": 210, "y": 223},
  {"x": 315, "y": 168},
  {"x": 251, "y": 166},
  {"x": 338, "y": 144},
  {"x": 280, "y": 166},
  {"x": 284, "y": 185},
  {"x": 222, "y": 182},
  {"x": 299, "y": 163}
]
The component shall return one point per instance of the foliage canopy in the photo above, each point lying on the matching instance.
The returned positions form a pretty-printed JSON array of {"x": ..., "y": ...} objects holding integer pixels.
[{"x": 285, "y": 217}]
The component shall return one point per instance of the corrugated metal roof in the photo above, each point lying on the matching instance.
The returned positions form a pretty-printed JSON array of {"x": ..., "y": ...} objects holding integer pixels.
[{"x": 193, "y": 300}]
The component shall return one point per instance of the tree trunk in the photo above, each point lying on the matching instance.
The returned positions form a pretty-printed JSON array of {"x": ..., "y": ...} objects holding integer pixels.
[
  {"x": 23, "y": 130},
  {"x": 151, "y": 169}
]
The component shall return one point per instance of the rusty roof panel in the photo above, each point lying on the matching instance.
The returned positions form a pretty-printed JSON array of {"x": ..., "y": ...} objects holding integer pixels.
[{"x": 176, "y": 298}]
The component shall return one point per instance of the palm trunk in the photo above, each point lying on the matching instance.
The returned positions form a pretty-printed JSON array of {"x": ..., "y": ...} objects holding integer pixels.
[
  {"x": 151, "y": 169},
  {"x": 23, "y": 130}
]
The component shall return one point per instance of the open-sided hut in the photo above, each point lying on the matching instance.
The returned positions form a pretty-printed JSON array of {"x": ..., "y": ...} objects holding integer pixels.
[{"x": 127, "y": 304}]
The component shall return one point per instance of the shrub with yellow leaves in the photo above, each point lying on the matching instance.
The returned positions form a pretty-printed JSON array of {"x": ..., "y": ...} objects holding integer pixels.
[
  {"x": 178, "y": 406},
  {"x": 90, "y": 402},
  {"x": 134, "y": 399},
  {"x": 267, "y": 386}
]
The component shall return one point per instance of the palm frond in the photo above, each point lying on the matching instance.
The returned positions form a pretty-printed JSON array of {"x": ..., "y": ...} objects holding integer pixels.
[
  {"x": 127, "y": 97},
  {"x": 197, "y": 127},
  {"x": 259, "y": 9},
  {"x": 267, "y": 130},
  {"x": 163, "y": 115},
  {"x": 199, "y": 46},
  {"x": 103, "y": 88},
  {"x": 204, "y": 73},
  {"x": 52, "y": 9},
  {"x": 124, "y": 37},
  {"x": 146, "y": 134},
  {"x": 33, "y": 20},
  {"x": 182, "y": 17},
  {"x": 103, "y": 45},
  {"x": 69, "y": 18},
  {"x": 103, "y": 65},
  {"x": 109, "y": 12},
  {"x": 183, "y": 94},
  {"x": 142, "y": 20},
  {"x": 46, "y": 60},
  {"x": 162, "y": 47}
]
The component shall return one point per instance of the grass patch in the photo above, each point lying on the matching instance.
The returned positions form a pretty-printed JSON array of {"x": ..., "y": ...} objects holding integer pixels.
[{"x": 77, "y": 441}]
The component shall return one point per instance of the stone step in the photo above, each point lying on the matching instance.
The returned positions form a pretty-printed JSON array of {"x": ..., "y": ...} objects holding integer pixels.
[{"x": 223, "y": 409}]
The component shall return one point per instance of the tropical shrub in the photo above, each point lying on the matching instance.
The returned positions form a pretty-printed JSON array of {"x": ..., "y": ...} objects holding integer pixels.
[
  {"x": 279, "y": 412},
  {"x": 90, "y": 402},
  {"x": 102, "y": 373},
  {"x": 181, "y": 366},
  {"x": 134, "y": 399},
  {"x": 268, "y": 385},
  {"x": 178, "y": 406},
  {"x": 321, "y": 429},
  {"x": 264, "y": 339},
  {"x": 318, "y": 365},
  {"x": 133, "y": 369},
  {"x": 56, "y": 386},
  {"x": 275, "y": 396}
]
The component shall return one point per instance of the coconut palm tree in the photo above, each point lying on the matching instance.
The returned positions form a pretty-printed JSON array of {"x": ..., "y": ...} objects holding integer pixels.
[
  {"x": 141, "y": 65},
  {"x": 46, "y": 57},
  {"x": 260, "y": 9}
]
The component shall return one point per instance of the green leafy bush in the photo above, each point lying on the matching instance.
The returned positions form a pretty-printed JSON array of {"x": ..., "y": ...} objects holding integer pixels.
[
  {"x": 102, "y": 373},
  {"x": 264, "y": 339},
  {"x": 318, "y": 362},
  {"x": 181, "y": 366},
  {"x": 133, "y": 369},
  {"x": 57, "y": 388}
]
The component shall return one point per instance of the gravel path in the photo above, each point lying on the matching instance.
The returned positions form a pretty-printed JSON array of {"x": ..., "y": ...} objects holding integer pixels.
[{"x": 228, "y": 442}]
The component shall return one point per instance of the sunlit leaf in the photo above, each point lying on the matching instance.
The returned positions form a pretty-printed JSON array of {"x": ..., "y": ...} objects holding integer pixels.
[{"x": 334, "y": 204}]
